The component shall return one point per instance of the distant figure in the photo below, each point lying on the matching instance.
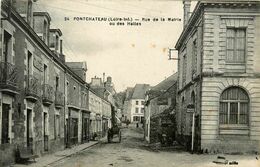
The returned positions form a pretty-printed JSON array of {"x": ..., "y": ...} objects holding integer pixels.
[
  {"x": 137, "y": 125},
  {"x": 127, "y": 123}
]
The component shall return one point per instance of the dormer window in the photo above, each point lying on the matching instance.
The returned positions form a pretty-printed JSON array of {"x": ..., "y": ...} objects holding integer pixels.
[
  {"x": 56, "y": 43},
  {"x": 44, "y": 31},
  {"x": 29, "y": 13}
]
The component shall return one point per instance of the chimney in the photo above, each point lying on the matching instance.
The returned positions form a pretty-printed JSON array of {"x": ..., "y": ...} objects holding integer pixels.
[
  {"x": 104, "y": 77},
  {"x": 186, "y": 11},
  {"x": 109, "y": 80}
]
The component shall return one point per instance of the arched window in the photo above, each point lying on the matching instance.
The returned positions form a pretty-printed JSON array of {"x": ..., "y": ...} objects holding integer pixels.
[{"x": 234, "y": 106}]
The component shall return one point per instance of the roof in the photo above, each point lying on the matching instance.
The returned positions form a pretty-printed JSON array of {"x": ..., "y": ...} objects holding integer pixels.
[
  {"x": 46, "y": 14},
  {"x": 82, "y": 65},
  {"x": 129, "y": 93},
  {"x": 56, "y": 30},
  {"x": 163, "y": 86},
  {"x": 140, "y": 90},
  {"x": 199, "y": 7}
]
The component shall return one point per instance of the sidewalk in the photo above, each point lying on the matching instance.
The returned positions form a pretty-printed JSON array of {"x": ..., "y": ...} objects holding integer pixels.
[{"x": 57, "y": 156}]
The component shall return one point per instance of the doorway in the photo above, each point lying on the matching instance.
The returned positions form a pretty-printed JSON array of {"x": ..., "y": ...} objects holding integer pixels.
[
  {"x": 5, "y": 123},
  {"x": 29, "y": 138},
  {"x": 45, "y": 127}
]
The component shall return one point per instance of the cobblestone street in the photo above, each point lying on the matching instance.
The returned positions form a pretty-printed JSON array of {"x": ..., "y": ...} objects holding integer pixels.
[{"x": 132, "y": 151}]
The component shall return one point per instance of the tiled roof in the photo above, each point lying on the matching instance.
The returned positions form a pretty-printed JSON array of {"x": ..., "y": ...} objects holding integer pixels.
[
  {"x": 165, "y": 84},
  {"x": 139, "y": 91}
]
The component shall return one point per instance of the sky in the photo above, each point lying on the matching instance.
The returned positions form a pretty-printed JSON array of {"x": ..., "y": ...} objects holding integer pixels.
[{"x": 129, "y": 54}]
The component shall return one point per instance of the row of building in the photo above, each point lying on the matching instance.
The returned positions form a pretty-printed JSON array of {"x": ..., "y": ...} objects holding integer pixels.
[
  {"x": 217, "y": 91},
  {"x": 45, "y": 103}
]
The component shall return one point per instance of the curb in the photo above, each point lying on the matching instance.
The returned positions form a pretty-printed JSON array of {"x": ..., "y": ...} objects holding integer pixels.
[{"x": 71, "y": 154}]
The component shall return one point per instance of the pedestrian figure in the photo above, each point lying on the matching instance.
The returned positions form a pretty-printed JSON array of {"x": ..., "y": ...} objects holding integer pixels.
[{"x": 137, "y": 125}]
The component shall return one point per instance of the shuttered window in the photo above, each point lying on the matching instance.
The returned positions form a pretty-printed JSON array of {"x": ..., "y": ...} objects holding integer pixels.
[
  {"x": 234, "y": 106},
  {"x": 236, "y": 45}
]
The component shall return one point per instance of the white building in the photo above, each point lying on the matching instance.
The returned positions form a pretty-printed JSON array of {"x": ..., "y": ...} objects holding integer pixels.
[{"x": 136, "y": 103}]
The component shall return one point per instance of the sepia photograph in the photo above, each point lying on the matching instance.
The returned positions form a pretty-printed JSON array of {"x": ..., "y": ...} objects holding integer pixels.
[{"x": 129, "y": 83}]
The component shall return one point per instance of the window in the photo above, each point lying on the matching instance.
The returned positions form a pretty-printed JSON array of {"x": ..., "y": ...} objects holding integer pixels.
[
  {"x": 234, "y": 106},
  {"x": 142, "y": 110},
  {"x": 136, "y": 110},
  {"x": 184, "y": 70},
  {"x": 136, "y": 118},
  {"x": 236, "y": 45},
  {"x": 29, "y": 14},
  {"x": 44, "y": 38},
  {"x": 142, "y": 102},
  {"x": 7, "y": 47},
  {"x": 45, "y": 74},
  {"x": 56, "y": 42},
  {"x": 57, "y": 126},
  {"x": 194, "y": 57},
  {"x": 136, "y": 102}
]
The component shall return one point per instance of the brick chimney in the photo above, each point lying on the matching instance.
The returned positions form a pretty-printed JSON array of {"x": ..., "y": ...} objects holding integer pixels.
[
  {"x": 186, "y": 11},
  {"x": 25, "y": 9},
  {"x": 42, "y": 25}
]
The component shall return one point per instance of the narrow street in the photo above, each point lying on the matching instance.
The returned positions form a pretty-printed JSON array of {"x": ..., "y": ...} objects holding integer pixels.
[{"x": 133, "y": 151}]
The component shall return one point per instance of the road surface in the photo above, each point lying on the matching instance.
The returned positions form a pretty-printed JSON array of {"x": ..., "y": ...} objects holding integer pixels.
[{"x": 134, "y": 152}]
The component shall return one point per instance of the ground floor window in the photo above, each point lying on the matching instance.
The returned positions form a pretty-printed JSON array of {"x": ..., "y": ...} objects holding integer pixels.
[
  {"x": 136, "y": 118},
  {"x": 234, "y": 107},
  {"x": 57, "y": 126}
]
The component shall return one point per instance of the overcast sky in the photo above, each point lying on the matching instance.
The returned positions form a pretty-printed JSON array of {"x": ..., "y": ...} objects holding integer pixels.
[{"x": 129, "y": 54}]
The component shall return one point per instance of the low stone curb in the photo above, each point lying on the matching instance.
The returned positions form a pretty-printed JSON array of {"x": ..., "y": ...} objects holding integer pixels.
[{"x": 66, "y": 156}]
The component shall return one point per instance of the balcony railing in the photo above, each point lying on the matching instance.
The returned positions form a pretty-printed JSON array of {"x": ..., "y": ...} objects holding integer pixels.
[
  {"x": 48, "y": 94},
  {"x": 59, "y": 99},
  {"x": 32, "y": 87},
  {"x": 8, "y": 76}
]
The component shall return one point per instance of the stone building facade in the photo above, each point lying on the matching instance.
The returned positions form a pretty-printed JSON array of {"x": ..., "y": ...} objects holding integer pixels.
[
  {"x": 44, "y": 102},
  {"x": 160, "y": 106},
  {"x": 219, "y": 77}
]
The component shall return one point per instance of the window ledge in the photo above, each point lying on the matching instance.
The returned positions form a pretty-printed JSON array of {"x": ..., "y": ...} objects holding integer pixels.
[
  {"x": 235, "y": 63},
  {"x": 234, "y": 130},
  {"x": 231, "y": 127}
]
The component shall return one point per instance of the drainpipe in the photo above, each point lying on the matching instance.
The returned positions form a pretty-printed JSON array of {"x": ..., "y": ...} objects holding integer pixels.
[
  {"x": 64, "y": 87},
  {"x": 201, "y": 71}
]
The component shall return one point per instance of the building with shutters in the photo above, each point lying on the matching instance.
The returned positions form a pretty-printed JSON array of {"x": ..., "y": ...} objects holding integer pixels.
[{"x": 219, "y": 77}]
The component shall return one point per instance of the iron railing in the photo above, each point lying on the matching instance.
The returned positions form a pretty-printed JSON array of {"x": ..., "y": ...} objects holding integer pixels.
[
  {"x": 32, "y": 86},
  {"x": 8, "y": 75},
  {"x": 48, "y": 93}
]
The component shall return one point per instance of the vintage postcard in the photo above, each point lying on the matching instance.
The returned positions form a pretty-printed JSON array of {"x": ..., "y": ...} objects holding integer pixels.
[{"x": 99, "y": 83}]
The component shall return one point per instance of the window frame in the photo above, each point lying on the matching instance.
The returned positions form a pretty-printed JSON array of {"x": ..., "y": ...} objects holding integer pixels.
[
  {"x": 235, "y": 54},
  {"x": 238, "y": 102}
]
